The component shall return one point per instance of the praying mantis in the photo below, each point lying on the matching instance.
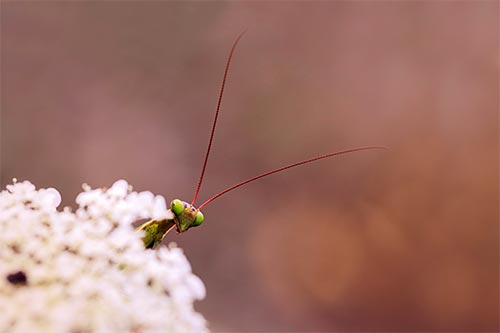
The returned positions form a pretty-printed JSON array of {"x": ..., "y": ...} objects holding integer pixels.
[{"x": 186, "y": 215}]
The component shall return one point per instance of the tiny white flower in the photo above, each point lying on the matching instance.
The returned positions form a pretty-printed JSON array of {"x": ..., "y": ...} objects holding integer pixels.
[
  {"x": 50, "y": 197},
  {"x": 119, "y": 189}
]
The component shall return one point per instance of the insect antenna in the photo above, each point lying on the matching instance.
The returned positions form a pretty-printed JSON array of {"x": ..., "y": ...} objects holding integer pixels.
[
  {"x": 226, "y": 70},
  {"x": 287, "y": 167}
]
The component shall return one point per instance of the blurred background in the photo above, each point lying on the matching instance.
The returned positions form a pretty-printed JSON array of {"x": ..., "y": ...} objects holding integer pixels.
[{"x": 400, "y": 240}]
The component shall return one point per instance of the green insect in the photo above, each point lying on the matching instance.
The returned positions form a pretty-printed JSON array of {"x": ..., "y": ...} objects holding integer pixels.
[{"x": 186, "y": 215}]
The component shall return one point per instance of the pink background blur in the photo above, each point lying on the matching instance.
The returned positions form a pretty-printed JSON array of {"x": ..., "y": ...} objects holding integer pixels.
[{"x": 402, "y": 240}]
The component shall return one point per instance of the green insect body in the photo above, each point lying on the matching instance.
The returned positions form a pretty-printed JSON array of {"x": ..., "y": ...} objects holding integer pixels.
[{"x": 185, "y": 216}]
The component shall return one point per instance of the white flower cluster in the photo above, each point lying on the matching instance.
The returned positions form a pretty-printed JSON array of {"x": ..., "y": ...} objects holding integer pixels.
[{"x": 88, "y": 271}]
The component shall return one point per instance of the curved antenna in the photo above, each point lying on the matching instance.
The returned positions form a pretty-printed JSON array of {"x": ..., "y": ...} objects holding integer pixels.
[
  {"x": 228, "y": 62},
  {"x": 287, "y": 167}
]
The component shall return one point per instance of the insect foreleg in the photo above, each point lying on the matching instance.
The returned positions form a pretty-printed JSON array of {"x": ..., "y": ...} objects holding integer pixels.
[{"x": 154, "y": 231}]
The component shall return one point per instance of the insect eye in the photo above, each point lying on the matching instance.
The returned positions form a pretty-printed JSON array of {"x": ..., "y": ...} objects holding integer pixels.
[
  {"x": 198, "y": 220},
  {"x": 177, "y": 206}
]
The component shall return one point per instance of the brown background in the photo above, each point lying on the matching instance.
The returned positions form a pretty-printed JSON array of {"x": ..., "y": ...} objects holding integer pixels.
[{"x": 403, "y": 240}]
